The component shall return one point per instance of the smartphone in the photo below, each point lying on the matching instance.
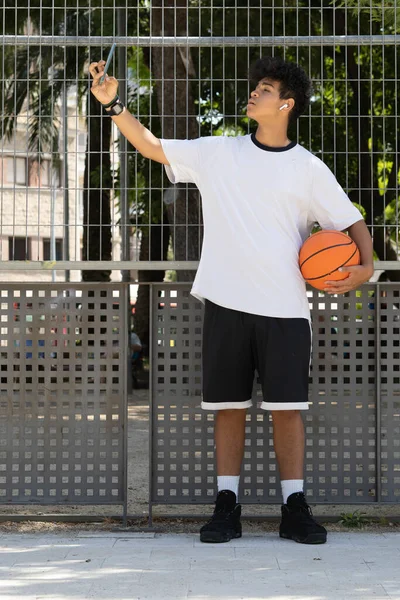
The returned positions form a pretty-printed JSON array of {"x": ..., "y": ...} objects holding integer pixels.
[{"x": 108, "y": 63}]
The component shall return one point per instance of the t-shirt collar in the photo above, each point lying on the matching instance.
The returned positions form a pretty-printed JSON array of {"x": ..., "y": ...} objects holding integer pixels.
[{"x": 270, "y": 148}]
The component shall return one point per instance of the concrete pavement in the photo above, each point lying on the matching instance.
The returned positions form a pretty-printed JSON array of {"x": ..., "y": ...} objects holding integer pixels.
[{"x": 132, "y": 566}]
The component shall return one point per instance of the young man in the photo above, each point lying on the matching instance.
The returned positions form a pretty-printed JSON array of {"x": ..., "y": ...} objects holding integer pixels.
[{"x": 261, "y": 195}]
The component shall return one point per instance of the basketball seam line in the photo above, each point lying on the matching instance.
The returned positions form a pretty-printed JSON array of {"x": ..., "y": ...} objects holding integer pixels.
[
  {"x": 323, "y": 250},
  {"x": 330, "y": 272}
]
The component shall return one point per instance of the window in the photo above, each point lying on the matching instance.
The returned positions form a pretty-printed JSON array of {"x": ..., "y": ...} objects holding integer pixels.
[
  {"x": 47, "y": 249},
  {"x": 41, "y": 174},
  {"x": 19, "y": 248},
  {"x": 45, "y": 178},
  {"x": 49, "y": 177},
  {"x": 16, "y": 170}
]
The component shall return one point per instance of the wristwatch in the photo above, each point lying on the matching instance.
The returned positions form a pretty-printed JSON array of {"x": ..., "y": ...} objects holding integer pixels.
[{"x": 115, "y": 108}]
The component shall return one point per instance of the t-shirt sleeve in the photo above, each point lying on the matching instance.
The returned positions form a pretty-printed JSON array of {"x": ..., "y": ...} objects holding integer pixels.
[
  {"x": 184, "y": 159},
  {"x": 330, "y": 205}
]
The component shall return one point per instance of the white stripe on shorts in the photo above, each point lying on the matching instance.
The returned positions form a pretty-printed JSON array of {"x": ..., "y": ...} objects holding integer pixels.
[
  {"x": 224, "y": 405},
  {"x": 284, "y": 405}
]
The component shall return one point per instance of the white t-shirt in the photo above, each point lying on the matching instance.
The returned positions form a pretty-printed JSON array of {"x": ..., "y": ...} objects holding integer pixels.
[{"x": 259, "y": 206}]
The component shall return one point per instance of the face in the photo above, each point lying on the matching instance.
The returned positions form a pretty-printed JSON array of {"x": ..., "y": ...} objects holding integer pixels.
[{"x": 265, "y": 102}]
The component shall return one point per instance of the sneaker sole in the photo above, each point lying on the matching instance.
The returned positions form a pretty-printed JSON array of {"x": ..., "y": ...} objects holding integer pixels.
[
  {"x": 215, "y": 537},
  {"x": 313, "y": 538}
]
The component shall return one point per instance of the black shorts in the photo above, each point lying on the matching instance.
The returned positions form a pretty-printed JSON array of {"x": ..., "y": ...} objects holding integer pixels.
[{"x": 236, "y": 344}]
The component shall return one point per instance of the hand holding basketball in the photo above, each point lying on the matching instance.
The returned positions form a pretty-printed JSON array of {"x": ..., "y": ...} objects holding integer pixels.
[
  {"x": 329, "y": 260},
  {"x": 358, "y": 275}
]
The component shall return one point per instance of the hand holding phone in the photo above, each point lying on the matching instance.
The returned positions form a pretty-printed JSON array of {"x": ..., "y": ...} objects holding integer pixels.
[
  {"x": 105, "y": 90},
  {"x": 107, "y": 63}
]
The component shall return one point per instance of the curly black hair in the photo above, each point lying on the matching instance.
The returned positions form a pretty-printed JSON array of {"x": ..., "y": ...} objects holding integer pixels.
[{"x": 294, "y": 81}]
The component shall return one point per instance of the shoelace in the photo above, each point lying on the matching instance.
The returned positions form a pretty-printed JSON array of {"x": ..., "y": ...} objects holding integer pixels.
[
  {"x": 305, "y": 511},
  {"x": 221, "y": 514}
]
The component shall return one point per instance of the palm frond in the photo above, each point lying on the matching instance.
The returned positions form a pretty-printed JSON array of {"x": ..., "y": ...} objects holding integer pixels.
[
  {"x": 387, "y": 13},
  {"x": 17, "y": 87},
  {"x": 44, "y": 124}
]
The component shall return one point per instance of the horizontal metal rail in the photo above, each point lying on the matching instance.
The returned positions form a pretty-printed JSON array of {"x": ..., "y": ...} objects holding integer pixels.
[
  {"x": 115, "y": 265},
  {"x": 201, "y": 41},
  {"x": 97, "y": 265}
]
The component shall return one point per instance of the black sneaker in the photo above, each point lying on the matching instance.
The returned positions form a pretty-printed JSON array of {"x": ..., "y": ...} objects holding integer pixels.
[
  {"x": 225, "y": 524},
  {"x": 298, "y": 523}
]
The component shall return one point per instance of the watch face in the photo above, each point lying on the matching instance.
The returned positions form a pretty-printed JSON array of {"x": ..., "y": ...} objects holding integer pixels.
[{"x": 118, "y": 108}]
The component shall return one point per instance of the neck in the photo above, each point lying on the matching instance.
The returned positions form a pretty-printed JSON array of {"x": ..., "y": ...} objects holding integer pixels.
[{"x": 272, "y": 136}]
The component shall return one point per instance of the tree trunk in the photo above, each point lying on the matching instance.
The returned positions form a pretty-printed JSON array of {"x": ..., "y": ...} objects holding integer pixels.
[
  {"x": 96, "y": 193},
  {"x": 171, "y": 68},
  {"x": 154, "y": 247}
]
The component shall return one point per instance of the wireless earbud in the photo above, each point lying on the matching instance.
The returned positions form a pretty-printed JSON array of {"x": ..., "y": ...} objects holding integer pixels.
[{"x": 284, "y": 106}]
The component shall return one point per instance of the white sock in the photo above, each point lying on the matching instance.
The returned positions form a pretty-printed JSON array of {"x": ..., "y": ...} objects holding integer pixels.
[
  {"x": 291, "y": 486},
  {"x": 228, "y": 482}
]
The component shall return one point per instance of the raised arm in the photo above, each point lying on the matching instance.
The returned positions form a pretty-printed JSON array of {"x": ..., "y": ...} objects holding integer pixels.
[{"x": 144, "y": 141}]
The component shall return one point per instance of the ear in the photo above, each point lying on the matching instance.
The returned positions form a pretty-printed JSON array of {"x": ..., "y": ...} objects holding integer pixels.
[
  {"x": 287, "y": 106},
  {"x": 290, "y": 102}
]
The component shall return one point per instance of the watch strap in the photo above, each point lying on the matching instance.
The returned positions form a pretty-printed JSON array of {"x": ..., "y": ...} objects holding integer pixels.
[
  {"x": 112, "y": 102},
  {"x": 116, "y": 109}
]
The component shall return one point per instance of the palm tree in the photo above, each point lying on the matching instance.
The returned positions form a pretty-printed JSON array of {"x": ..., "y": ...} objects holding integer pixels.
[{"x": 36, "y": 77}]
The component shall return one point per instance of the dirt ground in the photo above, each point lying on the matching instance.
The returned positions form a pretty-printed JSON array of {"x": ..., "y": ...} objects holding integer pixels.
[
  {"x": 168, "y": 526},
  {"x": 387, "y": 517}
]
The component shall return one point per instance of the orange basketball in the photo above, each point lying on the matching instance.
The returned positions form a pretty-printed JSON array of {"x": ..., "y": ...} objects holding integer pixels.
[{"x": 323, "y": 253}]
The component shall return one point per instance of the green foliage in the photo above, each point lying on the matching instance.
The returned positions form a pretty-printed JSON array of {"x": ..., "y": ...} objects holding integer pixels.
[
  {"x": 36, "y": 74},
  {"x": 386, "y": 13},
  {"x": 354, "y": 520},
  {"x": 138, "y": 72}
]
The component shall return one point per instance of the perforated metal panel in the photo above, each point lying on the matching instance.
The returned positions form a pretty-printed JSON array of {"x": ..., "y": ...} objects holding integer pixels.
[
  {"x": 182, "y": 442},
  {"x": 341, "y": 425},
  {"x": 62, "y": 393},
  {"x": 389, "y": 299}
]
